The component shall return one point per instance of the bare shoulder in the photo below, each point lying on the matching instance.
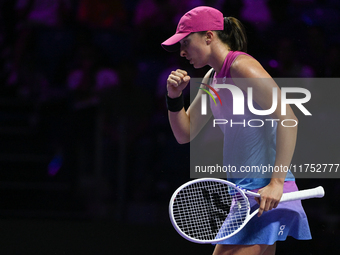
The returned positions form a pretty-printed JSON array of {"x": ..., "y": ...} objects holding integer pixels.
[{"x": 245, "y": 66}]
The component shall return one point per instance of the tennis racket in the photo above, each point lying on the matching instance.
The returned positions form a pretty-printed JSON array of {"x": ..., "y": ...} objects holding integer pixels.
[{"x": 210, "y": 210}]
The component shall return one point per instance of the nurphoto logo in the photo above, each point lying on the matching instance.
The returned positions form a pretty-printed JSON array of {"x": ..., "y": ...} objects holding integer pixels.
[{"x": 239, "y": 104}]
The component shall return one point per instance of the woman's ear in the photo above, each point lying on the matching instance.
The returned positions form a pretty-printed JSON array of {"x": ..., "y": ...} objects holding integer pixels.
[{"x": 209, "y": 36}]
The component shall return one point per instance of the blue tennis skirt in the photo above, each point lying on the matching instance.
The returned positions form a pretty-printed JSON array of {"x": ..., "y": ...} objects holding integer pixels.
[{"x": 287, "y": 219}]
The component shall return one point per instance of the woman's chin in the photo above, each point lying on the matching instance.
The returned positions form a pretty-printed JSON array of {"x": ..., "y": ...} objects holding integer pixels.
[{"x": 197, "y": 66}]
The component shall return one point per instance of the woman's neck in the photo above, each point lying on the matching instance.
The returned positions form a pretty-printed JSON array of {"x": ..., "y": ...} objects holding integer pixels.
[{"x": 218, "y": 55}]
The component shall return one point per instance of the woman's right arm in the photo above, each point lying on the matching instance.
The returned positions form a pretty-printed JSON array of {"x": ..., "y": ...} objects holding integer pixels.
[{"x": 186, "y": 124}]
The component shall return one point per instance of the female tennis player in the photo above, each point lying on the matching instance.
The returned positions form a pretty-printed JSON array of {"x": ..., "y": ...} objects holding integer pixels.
[{"x": 205, "y": 37}]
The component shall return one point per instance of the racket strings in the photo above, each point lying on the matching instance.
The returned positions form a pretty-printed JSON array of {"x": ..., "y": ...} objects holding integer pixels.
[{"x": 209, "y": 210}]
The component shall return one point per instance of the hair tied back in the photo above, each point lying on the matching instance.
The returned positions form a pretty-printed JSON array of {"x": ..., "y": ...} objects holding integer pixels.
[{"x": 227, "y": 25}]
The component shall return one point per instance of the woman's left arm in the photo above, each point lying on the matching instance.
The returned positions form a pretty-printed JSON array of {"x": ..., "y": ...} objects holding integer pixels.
[{"x": 262, "y": 84}]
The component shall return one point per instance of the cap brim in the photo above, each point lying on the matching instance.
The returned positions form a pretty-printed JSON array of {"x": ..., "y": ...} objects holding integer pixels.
[{"x": 172, "y": 44}]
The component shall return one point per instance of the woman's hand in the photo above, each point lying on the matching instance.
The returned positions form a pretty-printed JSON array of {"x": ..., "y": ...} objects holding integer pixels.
[
  {"x": 176, "y": 82},
  {"x": 270, "y": 195}
]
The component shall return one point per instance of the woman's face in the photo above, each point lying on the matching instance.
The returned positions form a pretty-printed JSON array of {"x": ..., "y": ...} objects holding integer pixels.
[{"x": 194, "y": 48}]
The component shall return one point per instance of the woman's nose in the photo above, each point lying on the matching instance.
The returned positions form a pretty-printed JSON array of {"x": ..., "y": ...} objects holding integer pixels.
[{"x": 182, "y": 52}]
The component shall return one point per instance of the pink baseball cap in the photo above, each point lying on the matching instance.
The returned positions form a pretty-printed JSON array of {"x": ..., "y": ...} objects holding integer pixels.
[{"x": 202, "y": 18}]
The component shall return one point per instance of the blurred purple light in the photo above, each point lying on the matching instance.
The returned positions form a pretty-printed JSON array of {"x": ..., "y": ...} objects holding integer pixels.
[{"x": 273, "y": 63}]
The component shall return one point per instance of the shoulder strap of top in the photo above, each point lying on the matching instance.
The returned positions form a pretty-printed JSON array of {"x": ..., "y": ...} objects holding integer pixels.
[{"x": 211, "y": 77}]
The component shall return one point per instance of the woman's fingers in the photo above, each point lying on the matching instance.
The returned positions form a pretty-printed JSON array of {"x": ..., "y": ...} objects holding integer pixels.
[
  {"x": 266, "y": 203},
  {"x": 177, "y": 81}
]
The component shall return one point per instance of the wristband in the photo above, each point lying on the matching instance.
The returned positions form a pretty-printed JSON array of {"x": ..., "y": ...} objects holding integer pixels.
[{"x": 175, "y": 104}]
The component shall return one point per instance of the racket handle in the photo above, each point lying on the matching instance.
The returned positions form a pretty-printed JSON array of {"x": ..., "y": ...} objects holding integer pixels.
[{"x": 303, "y": 194}]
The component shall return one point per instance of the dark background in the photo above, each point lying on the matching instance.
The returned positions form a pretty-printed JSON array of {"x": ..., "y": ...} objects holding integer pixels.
[{"x": 87, "y": 158}]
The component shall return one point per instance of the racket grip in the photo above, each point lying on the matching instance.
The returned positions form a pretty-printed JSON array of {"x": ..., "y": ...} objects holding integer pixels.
[{"x": 303, "y": 194}]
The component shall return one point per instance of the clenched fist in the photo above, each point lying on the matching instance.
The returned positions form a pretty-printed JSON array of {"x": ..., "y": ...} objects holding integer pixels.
[{"x": 176, "y": 82}]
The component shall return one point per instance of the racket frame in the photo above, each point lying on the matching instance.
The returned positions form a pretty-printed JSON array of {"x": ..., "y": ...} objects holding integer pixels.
[
  {"x": 297, "y": 195},
  {"x": 242, "y": 192}
]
